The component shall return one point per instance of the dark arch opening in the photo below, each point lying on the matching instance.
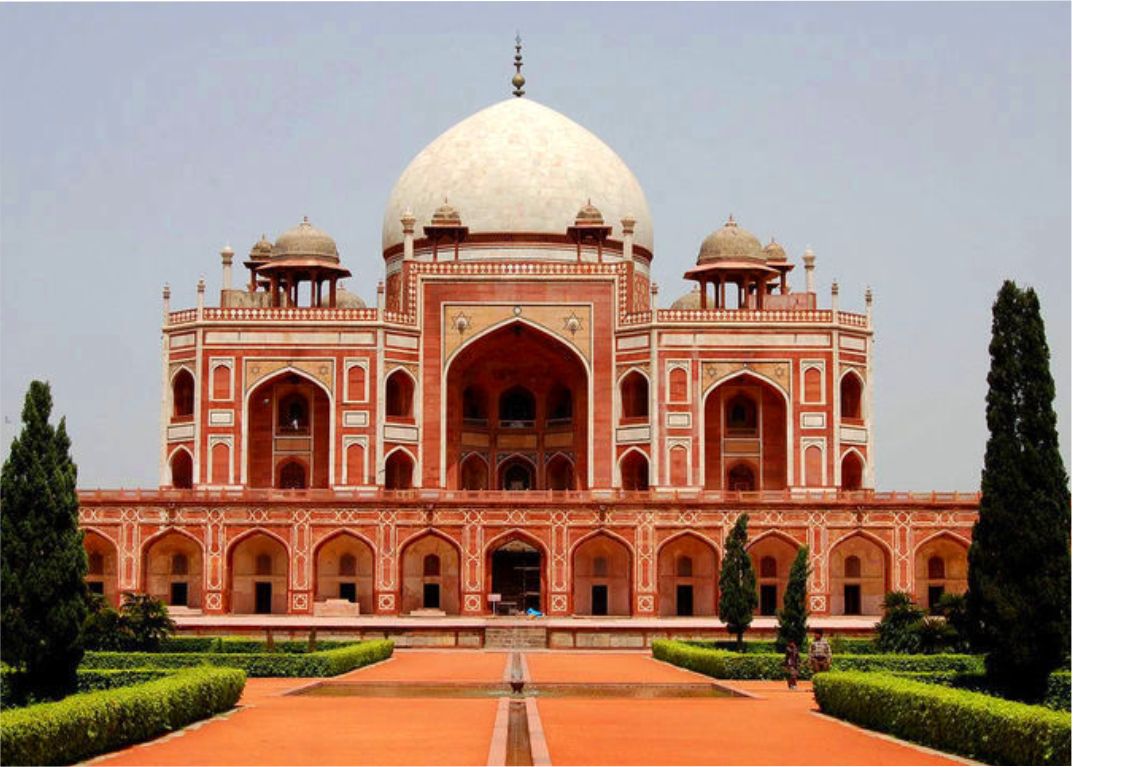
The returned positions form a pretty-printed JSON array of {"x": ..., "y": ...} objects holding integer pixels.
[
  {"x": 183, "y": 394},
  {"x": 516, "y": 408},
  {"x": 182, "y": 470}
]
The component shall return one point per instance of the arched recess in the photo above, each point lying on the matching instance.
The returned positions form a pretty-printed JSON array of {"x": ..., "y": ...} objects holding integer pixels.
[
  {"x": 475, "y": 473},
  {"x": 222, "y": 382},
  {"x": 950, "y": 577},
  {"x": 852, "y": 392},
  {"x": 517, "y": 472},
  {"x": 182, "y": 388},
  {"x": 812, "y": 385},
  {"x": 813, "y": 466},
  {"x": 602, "y": 575},
  {"x": 288, "y": 418},
  {"x": 345, "y": 569},
  {"x": 853, "y": 470},
  {"x": 559, "y": 473},
  {"x": 677, "y": 385},
  {"x": 634, "y": 470},
  {"x": 772, "y": 554},
  {"x": 399, "y": 470},
  {"x": 357, "y": 383},
  {"x": 292, "y": 474},
  {"x": 678, "y": 460},
  {"x": 355, "y": 464},
  {"x": 399, "y": 391},
  {"x": 535, "y": 388},
  {"x": 634, "y": 398},
  {"x": 515, "y": 568},
  {"x": 219, "y": 464},
  {"x": 858, "y": 589},
  {"x": 430, "y": 568},
  {"x": 742, "y": 475},
  {"x": 102, "y": 566},
  {"x": 687, "y": 576},
  {"x": 182, "y": 469},
  {"x": 258, "y": 573},
  {"x": 745, "y": 417},
  {"x": 172, "y": 569}
]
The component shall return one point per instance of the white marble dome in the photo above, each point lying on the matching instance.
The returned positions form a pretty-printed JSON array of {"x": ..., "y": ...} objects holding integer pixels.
[{"x": 517, "y": 166}]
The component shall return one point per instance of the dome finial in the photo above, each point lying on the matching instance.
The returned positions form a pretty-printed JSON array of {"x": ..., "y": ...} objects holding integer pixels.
[{"x": 519, "y": 80}]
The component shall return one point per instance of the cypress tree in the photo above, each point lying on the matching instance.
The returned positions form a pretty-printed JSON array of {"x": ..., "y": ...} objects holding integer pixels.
[
  {"x": 792, "y": 616},
  {"x": 1019, "y": 564},
  {"x": 738, "y": 596},
  {"x": 42, "y": 561}
]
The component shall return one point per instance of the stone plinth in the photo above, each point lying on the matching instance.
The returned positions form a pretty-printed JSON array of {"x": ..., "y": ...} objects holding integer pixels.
[{"x": 336, "y": 608}]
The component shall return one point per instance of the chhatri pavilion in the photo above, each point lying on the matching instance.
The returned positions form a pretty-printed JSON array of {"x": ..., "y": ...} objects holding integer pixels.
[{"x": 515, "y": 420}]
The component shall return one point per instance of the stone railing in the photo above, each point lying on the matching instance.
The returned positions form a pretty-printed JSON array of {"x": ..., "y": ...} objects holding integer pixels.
[{"x": 521, "y": 499}]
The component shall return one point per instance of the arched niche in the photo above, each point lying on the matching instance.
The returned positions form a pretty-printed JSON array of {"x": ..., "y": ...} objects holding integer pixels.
[
  {"x": 102, "y": 566},
  {"x": 859, "y": 576},
  {"x": 516, "y": 566},
  {"x": 602, "y": 577},
  {"x": 258, "y": 568},
  {"x": 288, "y": 422},
  {"x": 853, "y": 471},
  {"x": 634, "y": 401},
  {"x": 400, "y": 396},
  {"x": 172, "y": 570},
  {"x": 182, "y": 469},
  {"x": 950, "y": 576},
  {"x": 745, "y": 419},
  {"x": 430, "y": 572},
  {"x": 399, "y": 470},
  {"x": 633, "y": 471},
  {"x": 687, "y": 574},
  {"x": 851, "y": 397},
  {"x": 771, "y": 558},
  {"x": 345, "y": 569}
]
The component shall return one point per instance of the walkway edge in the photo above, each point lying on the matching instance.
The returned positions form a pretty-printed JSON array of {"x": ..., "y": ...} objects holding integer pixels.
[
  {"x": 500, "y": 736},
  {"x": 898, "y": 741},
  {"x": 539, "y": 749}
]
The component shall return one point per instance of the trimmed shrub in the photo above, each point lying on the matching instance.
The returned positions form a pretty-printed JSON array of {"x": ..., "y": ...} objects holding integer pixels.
[
  {"x": 13, "y": 691},
  {"x": 1058, "y": 691},
  {"x": 723, "y": 664},
  {"x": 239, "y": 644},
  {"x": 258, "y": 664},
  {"x": 971, "y": 724},
  {"x": 188, "y": 644},
  {"x": 85, "y": 725}
]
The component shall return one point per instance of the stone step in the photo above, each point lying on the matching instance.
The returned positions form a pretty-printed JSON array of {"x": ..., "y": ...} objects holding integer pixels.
[{"x": 525, "y": 637}]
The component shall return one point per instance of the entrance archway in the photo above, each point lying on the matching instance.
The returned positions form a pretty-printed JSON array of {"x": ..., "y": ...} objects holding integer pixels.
[
  {"x": 517, "y": 573},
  {"x": 518, "y": 390},
  {"x": 173, "y": 570},
  {"x": 941, "y": 567},
  {"x": 288, "y": 433},
  {"x": 859, "y": 576},
  {"x": 258, "y": 581},
  {"x": 687, "y": 574},
  {"x": 102, "y": 567},
  {"x": 345, "y": 570},
  {"x": 771, "y": 558},
  {"x": 602, "y": 577},
  {"x": 431, "y": 572},
  {"x": 745, "y": 424}
]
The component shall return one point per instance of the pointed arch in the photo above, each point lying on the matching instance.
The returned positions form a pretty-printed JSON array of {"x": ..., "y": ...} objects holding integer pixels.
[
  {"x": 851, "y": 388},
  {"x": 786, "y": 477},
  {"x": 853, "y": 469},
  {"x": 859, "y": 591},
  {"x": 601, "y": 567},
  {"x": 683, "y": 591},
  {"x": 252, "y": 387},
  {"x": 330, "y": 582},
  {"x": 180, "y": 467},
  {"x": 102, "y": 553},
  {"x": 777, "y": 550},
  {"x": 252, "y": 591},
  {"x": 183, "y": 389},
  {"x": 422, "y": 588},
  {"x": 474, "y": 472},
  {"x": 506, "y": 574},
  {"x": 635, "y": 469},
  {"x": 952, "y": 550},
  {"x": 162, "y": 578},
  {"x": 399, "y": 392},
  {"x": 635, "y": 395},
  {"x": 399, "y": 469}
]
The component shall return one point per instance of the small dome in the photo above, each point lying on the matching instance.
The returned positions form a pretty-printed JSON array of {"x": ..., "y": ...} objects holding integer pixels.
[
  {"x": 731, "y": 243},
  {"x": 689, "y": 300},
  {"x": 305, "y": 240},
  {"x": 345, "y": 299},
  {"x": 774, "y": 251},
  {"x": 590, "y": 216},
  {"x": 446, "y": 215},
  {"x": 261, "y": 250}
]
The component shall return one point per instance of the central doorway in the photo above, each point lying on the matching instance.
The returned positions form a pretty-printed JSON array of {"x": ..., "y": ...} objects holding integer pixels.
[
  {"x": 515, "y": 573},
  {"x": 600, "y": 600}
]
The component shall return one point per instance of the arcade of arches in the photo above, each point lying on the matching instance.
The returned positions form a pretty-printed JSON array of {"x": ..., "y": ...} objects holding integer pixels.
[
  {"x": 745, "y": 433},
  {"x": 517, "y": 413}
]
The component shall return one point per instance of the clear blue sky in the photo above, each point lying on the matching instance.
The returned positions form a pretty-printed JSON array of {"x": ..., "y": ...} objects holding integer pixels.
[{"x": 923, "y": 149}]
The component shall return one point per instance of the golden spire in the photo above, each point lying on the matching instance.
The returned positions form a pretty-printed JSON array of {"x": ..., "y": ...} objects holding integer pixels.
[{"x": 519, "y": 80}]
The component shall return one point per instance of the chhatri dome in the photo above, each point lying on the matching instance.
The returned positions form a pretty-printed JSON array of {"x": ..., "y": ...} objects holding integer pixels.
[
  {"x": 516, "y": 167},
  {"x": 731, "y": 243}
]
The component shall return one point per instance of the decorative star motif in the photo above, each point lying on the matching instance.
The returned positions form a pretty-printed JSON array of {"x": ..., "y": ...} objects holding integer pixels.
[
  {"x": 573, "y": 323},
  {"x": 461, "y": 323}
]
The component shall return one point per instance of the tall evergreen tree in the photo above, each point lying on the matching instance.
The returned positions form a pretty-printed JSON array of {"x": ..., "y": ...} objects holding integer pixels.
[
  {"x": 42, "y": 561},
  {"x": 1019, "y": 564},
  {"x": 738, "y": 596},
  {"x": 792, "y": 616}
]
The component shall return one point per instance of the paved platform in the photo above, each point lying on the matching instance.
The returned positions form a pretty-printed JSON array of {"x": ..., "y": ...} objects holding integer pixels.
[{"x": 272, "y": 727}]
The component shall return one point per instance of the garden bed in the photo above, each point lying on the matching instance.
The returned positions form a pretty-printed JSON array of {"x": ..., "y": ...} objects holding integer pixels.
[
  {"x": 971, "y": 724},
  {"x": 87, "y": 724}
]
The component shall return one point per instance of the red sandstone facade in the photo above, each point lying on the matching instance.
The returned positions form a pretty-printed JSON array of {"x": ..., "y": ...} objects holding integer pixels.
[{"x": 517, "y": 418}]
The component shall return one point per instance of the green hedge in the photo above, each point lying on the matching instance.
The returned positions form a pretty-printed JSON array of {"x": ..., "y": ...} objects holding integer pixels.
[
  {"x": 1059, "y": 691},
  {"x": 971, "y": 724},
  {"x": 838, "y": 644},
  {"x": 723, "y": 664},
  {"x": 321, "y": 663},
  {"x": 239, "y": 644},
  {"x": 88, "y": 724},
  {"x": 90, "y": 680}
]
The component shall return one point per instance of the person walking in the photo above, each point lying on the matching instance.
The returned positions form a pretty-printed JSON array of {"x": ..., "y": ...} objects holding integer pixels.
[
  {"x": 791, "y": 662},
  {"x": 820, "y": 654}
]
